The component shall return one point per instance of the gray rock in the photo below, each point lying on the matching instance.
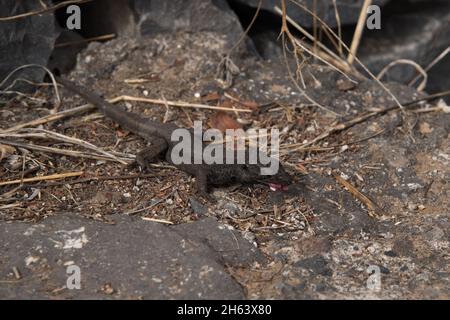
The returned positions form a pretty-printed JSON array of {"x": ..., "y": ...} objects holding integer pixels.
[
  {"x": 131, "y": 259},
  {"x": 25, "y": 41},
  {"x": 230, "y": 247},
  {"x": 200, "y": 209},
  {"x": 189, "y": 16},
  {"x": 317, "y": 265},
  {"x": 420, "y": 34},
  {"x": 348, "y": 10}
]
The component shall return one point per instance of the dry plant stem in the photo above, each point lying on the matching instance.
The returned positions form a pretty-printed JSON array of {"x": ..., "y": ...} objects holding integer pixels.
[
  {"x": 432, "y": 64},
  {"x": 326, "y": 54},
  {"x": 421, "y": 86},
  {"x": 45, "y": 134},
  {"x": 97, "y": 178},
  {"x": 74, "y": 43},
  {"x": 42, "y": 178},
  {"x": 332, "y": 40},
  {"x": 157, "y": 220},
  {"x": 52, "y": 77},
  {"x": 70, "y": 153},
  {"x": 179, "y": 104},
  {"x": 244, "y": 34},
  {"x": 374, "y": 209},
  {"x": 86, "y": 108},
  {"x": 303, "y": 92},
  {"x": 316, "y": 40},
  {"x": 284, "y": 32},
  {"x": 364, "y": 117},
  {"x": 338, "y": 23},
  {"x": 318, "y": 56},
  {"x": 44, "y": 10},
  {"x": 348, "y": 50},
  {"x": 51, "y": 117},
  {"x": 358, "y": 31}
]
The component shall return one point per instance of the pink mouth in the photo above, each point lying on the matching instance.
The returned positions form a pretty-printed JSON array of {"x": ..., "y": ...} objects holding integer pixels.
[{"x": 276, "y": 187}]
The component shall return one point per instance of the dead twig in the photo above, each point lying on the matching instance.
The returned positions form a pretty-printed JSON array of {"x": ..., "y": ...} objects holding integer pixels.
[
  {"x": 374, "y": 209},
  {"x": 45, "y": 134},
  {"x": 51, "y": 117},
  {"x": 71, "y": 153},
  {"x": 325, "y": 25},
  {"x": 75, "y": 43},
  {"x": 178, "y": 104},
  {"x": 325, "y": 54},
  {"x": 432, "y": 64},
  {"x": 358, "y": 31},
  {"x": 96, "y": 178},
  {"x": 52, "y": 77},
  {"x": 361, "y": 118},
  {"x": 49, "y": 177},
  {"x": 157, "y": 220},
  {"x": 424, "y": 74}
]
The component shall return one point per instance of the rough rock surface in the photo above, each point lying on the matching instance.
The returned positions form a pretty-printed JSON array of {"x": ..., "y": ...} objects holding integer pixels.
[
  {"x": 348, "y": 10},
  {"x": 130, "y": 259},
  {"x": 24, "y": 41},
  {"x": 420, "y": 33},
  {"x": 155, "y": 17}
]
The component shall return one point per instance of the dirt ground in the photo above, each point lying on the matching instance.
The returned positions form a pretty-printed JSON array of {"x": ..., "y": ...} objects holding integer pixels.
[{"x": 319, "y": 239}]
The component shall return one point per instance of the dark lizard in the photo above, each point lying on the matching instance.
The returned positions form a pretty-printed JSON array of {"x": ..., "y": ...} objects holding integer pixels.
[{"x": 159, "y": 134}]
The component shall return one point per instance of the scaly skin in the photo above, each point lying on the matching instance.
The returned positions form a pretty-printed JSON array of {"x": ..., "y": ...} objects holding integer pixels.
[{"x": 160, "y": 136}]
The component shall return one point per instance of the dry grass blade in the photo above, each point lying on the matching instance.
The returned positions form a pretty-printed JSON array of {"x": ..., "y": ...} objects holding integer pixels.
[
  {"x": 157, "y": 220},
  {"x": 45, "y": 134},
  {"x": 42, "y": 178},
  {"x": 285, "y": 32},
  {"x": 358, "y": 31},
  {"x": 361, "y": 118},
  {"x": 52, "y": 117},
  {"x": 325, "y": 25},
  {"x": 374, "y": 209},
  {"x": 179, "y": 104},
  {"x": 95, "y": 178},
  {"x": 52, "y": 77},
  {"x": 424, "y": 74},
  {"x": 75, "y": 43},
  {"x": 70, "y": 153},
  {"x": 339, "y": 26},
  {"x": 432, "y": 64},
  {"x": 325, "y": 53}
]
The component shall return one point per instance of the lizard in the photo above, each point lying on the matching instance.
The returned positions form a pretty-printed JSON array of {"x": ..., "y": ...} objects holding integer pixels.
[{"x": 159, "y": 134}]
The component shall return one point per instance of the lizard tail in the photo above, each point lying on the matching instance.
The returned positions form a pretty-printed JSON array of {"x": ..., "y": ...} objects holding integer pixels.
[{"x": 127, "y": 120}]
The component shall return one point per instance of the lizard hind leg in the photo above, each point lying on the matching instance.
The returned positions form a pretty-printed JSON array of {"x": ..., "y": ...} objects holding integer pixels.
[
  {"x": 158, "y": 147},
  {"x": 201, "y": 178}
]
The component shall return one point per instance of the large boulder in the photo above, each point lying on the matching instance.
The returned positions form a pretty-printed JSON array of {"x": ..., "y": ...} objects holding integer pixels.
[
  {"x": 23, "y": 41},
  {"x": 349, "y": 10},
  {"x": 191, "y": 16}
]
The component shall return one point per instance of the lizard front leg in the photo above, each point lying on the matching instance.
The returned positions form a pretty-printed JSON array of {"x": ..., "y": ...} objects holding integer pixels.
[
  {"x": 201, "y": 179},
  {"x": 149, "y": 154}
]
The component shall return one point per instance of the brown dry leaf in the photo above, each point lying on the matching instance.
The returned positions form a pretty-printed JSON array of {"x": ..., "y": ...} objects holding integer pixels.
[
  {"x": 6, "y": 150},
  {"x": 222, "y": 121}
]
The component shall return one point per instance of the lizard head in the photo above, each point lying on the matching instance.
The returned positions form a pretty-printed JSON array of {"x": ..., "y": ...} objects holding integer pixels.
[{"x": 252, "y": 173}]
